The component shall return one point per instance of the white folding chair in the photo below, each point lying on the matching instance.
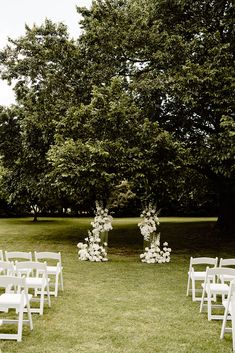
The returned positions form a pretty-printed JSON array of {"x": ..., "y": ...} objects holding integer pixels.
[
  {"x": 211, "y": 289},
  {"x": 195, "y": 275},
  {"x": 55, "y": 270},
  {"x": 19, "y": 256},
  {"x": 37, "y": 280},
  {"x": 229, "y": 305},
  {"x": 19, "y": 300}
]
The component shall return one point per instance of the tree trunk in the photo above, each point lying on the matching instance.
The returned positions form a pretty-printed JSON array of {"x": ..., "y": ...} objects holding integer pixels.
[
  {"x": 226, "y": 216},
  {"x": 35, "y": 214},
  {"x": 35, "y": 217}
]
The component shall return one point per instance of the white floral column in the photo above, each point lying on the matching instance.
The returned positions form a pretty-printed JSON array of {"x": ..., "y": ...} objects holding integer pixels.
[
  {"x": 102, "y": 224},
  {"x": 149, "y": 229},
  {"x": 96, "y": 244}
]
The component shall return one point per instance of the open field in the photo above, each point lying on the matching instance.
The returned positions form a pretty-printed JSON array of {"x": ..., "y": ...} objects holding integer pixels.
[{"x": 122, "y": 306}]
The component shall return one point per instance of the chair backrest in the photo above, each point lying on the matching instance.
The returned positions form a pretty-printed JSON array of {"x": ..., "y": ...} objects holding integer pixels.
[
  {"x": 202, "y": 261},
  {"x": 7, "y": 267},
  {"x": 12, "y": 281},
  {"x": 219, "y": 271},
  {"x": 48, "y": 255},
  {"x": 14, "y": 255},
  {"x": 34, "y": 268},
  {"x": 226, "y": 262},
  {"x": 213, "y": 261}
]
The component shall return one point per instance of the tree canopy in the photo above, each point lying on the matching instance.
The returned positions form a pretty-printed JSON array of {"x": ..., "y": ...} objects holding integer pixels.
[{"x": 144, "y": 95}]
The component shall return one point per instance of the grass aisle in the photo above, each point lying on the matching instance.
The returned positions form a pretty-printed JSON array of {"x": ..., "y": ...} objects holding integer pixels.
[{"x": 122, "y": 306}]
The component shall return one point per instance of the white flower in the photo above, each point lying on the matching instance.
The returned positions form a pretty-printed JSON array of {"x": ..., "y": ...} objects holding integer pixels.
[
  {"x": 148, "y": 227},
  {"x": 92, "y": 250}
]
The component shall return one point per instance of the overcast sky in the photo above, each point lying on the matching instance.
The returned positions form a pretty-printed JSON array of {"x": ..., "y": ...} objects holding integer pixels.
[{"x": 14, "y": 14}]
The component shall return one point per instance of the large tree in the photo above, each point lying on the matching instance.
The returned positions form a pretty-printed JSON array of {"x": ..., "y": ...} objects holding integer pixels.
[
  {"x": 178, "y": 56},
  {"x": 110, "y": 140},
  {"x": 145, "y": 83},
  {"x": 45, "y": 70}
]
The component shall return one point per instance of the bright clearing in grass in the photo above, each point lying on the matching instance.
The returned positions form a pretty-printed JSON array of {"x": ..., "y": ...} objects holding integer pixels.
[{"x": 122, "y": 306}]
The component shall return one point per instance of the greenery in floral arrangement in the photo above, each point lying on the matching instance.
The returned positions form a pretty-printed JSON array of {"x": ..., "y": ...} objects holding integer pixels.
[
  {"x": 94, "y": 248},
  {"x": 149, "y": 228}
]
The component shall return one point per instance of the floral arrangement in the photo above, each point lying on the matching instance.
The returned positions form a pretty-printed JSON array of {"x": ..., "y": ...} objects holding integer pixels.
[
  {"x": 94, "y": 248},
  {"x": 149, "y": 222},
  {"x": 149, "y": 226},
  {"x": 102, "y": 221},
  {"x": 153, "y": 254}
]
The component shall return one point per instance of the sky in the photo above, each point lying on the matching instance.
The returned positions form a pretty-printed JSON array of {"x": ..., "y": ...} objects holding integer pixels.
[{"x": 14, "y": 14}]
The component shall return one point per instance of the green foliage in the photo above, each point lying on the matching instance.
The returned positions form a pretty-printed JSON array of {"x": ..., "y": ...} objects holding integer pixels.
[
  {"x": 144, "y": 95},
  {"x": 41, "y": 67},
  {"x": 112, "y": 141},
  {"x": 179, "y": 60}
]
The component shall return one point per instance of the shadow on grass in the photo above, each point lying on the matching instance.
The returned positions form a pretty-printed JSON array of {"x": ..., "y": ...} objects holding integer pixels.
[{"x": 125, "y": 238}]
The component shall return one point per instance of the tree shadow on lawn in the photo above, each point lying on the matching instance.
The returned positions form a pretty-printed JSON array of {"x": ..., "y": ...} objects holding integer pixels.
[{"x": 125, "y": 238}]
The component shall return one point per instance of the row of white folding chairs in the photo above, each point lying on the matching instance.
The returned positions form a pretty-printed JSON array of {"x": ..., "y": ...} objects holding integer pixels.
[
  {"x": 36, "y": 278},
  {"x": 55, "y": 270},
  {"x": 17, "y": 296},
  {"x": 216, "y": 281},
  {"x": 194, "y": 275}
]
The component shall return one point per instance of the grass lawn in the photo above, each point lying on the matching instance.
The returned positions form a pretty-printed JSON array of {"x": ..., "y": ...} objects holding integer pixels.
[{"x": 122, "y": 306}]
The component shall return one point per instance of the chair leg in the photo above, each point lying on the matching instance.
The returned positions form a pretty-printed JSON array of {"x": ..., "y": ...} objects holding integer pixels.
[
  {"x": 224, "y": 322},
  {"x": 233, "y": 323},
  {"x": 29, "y": 315},
  {"x": 41, "y": 301},
  {"x": 48, "y": 295},
  {"x": 202, "y": 299},
  {"x": 188, "y": 287},
  {"x": 56, "y": 284},
  {"x": 193, "y": 290},
  {"x": 61, "y": 280},
  {"x": 20, "y": 324},
  {"x": 209, "y": 306}
]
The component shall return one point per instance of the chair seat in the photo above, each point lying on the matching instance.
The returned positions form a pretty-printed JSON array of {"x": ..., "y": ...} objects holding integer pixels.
[
  {"x": 11, "y": 300},
  {"x": 217, "y": 288},
  {"x": 35, "y": 282}
]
